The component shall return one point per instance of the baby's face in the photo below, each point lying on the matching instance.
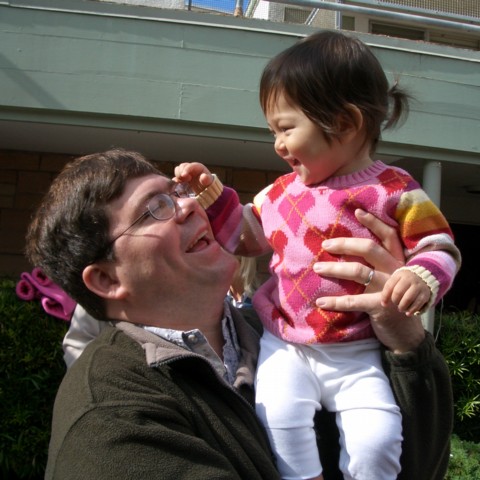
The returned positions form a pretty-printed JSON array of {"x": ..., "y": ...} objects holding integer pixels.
[{"x": 302, "y": 143}]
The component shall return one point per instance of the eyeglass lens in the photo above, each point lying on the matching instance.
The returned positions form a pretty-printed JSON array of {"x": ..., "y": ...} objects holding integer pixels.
[{"x": 161, "y": 206}]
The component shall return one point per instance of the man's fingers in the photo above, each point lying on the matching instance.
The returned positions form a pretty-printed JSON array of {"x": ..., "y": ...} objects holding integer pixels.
[
  {"x": 350, "y": 303},
  {"x": 385, "y": 233},
  {"x": 354, "y": 271},
  {"x": 370, "y": 251},
  {"x": 344, "y": 270}
]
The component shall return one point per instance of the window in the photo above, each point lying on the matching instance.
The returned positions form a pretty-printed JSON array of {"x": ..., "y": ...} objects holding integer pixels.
[
  {"x": 296, "y": 15},
  {"x": 397, "y": 31},
  {"x": 348, "y": 23},
  {"x": 453, "y": 39}
]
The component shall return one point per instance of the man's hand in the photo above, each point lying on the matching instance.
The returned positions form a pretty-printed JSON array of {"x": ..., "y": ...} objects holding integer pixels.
[{"x": 394, "y": 329}]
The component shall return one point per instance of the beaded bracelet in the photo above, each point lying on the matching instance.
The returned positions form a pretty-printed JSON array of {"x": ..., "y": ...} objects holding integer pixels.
[{"x": 208, "y": 195}]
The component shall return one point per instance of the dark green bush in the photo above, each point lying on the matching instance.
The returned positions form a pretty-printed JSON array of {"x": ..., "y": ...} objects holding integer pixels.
[
  {"x": 459, "y": 341},
  {"x": 31, "y": 368}
]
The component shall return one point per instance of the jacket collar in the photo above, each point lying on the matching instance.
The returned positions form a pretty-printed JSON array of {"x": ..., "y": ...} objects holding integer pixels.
[{"x": 158, "y": 350}]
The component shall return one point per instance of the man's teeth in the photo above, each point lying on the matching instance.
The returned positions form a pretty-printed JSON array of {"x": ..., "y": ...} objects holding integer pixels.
[{"x": 196, "y": 241}]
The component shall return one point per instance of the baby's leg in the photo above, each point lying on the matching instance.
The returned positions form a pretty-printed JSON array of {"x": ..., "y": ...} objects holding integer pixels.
[
  {"x": 370, "y": 444},
  {"x": 287, "y": 397},
  {"x": 368, "y": 418}
]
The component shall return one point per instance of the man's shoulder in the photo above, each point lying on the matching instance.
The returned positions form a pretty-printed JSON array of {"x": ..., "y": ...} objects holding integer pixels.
[
  {"x": 110, "y": 355},
  {"x": 123, "y": 352},
  {"x": 112, "y": 372}
]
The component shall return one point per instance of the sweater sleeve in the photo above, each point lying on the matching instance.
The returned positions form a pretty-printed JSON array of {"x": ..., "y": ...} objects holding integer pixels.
[
  {"x": 237, "y": 227},
  {"x": 428, "y": 240}
]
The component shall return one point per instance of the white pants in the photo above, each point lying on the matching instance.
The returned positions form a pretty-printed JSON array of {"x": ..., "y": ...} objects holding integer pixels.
[{"x": 294, "y": 381}]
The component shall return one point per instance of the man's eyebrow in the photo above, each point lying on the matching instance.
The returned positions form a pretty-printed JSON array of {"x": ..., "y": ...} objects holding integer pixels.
[
  {"x": 143, "y": 201},
  {"x": 170, "y": 186}
]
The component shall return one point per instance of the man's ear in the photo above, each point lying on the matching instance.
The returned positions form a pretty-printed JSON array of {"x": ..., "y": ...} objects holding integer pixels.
[
  {"x": 349, "y": 122},
  {"x": 102, "y": 280}
]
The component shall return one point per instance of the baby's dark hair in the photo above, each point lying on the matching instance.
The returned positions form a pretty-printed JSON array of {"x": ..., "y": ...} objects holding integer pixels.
[{"x": 327, "y": 72}]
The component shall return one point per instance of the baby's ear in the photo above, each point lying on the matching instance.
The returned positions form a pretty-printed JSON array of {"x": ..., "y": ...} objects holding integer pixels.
[{"x": 349, "y": 121}]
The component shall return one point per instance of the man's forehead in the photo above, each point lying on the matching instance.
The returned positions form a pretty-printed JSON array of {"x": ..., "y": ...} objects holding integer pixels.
[
  {"x": 138, "y": 190},
  {"x": 141, "y": 186}
]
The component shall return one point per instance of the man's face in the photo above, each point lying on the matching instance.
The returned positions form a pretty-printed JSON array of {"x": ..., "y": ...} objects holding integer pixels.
[{"x": 166, "y": 262}]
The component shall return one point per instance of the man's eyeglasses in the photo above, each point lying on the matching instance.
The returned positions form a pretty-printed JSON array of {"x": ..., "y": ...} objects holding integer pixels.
[{"x": 161, "y": 207}]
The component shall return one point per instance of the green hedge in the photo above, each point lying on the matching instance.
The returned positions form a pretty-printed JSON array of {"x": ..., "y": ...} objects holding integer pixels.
[
  {"x": 464, "y": 460},
  {"x": 31, "y": 368},
  {"x": 458, "y": 338}
]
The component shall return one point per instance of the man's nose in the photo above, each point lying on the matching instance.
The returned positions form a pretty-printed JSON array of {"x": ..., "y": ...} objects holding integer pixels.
[{"x": 185, "y": 207}]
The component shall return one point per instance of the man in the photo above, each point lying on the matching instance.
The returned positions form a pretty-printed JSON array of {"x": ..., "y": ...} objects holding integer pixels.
[{"x": 166, "y": 390}]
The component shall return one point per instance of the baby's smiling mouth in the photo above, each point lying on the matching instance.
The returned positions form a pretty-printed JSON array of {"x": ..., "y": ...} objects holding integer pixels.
[{"x": 293, "y": 162}]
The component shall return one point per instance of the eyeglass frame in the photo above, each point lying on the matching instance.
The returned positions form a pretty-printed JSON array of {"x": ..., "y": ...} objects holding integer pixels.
[{"x": 180, "y": 190}]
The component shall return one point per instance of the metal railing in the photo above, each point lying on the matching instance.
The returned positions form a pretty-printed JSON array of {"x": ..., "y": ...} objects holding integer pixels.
[{"x": 463, "y": 24}]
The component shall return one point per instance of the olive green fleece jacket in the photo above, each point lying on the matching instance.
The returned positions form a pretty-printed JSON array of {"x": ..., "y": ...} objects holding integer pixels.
[{"x": 137, "y": 407}]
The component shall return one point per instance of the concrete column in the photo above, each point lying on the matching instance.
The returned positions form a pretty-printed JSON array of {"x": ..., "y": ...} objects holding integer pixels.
[
  {"x": 432, "y": 181},
  {"x": 432, "y": 184}
]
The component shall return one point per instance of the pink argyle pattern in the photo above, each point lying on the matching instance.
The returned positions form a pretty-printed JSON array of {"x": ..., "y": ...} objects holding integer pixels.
[{"x": 296, "y": 219}]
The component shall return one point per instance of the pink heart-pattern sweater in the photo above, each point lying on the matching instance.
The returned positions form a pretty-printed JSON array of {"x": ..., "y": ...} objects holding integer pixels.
[{"x": 294, "y": 219}]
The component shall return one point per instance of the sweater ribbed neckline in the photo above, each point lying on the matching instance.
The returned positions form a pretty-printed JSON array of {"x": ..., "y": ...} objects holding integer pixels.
[{"x": 352, "y": 179}]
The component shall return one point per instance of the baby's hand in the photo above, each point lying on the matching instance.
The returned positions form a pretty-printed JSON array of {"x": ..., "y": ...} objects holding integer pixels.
[
  {"x": 406, "y": 290},
  {"x": 196, "y": 174}
]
